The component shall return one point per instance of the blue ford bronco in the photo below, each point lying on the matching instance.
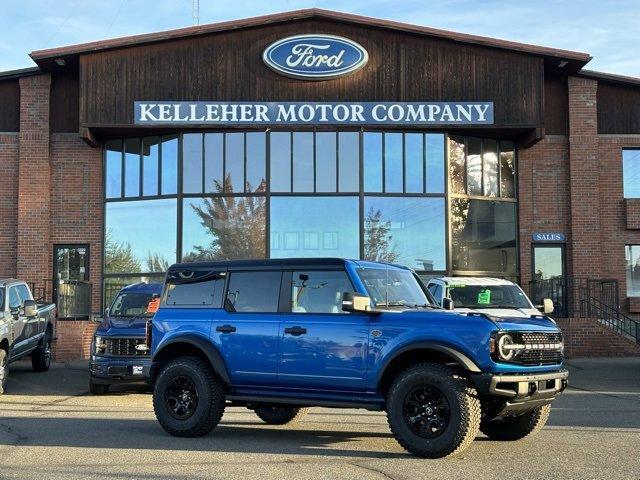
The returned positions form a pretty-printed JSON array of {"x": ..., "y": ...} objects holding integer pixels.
[
  {"x": 278, "y": 336},
  {"x": 119, "y": 352}
]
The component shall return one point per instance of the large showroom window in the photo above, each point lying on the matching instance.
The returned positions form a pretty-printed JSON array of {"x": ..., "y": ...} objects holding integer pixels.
[
  {"x": 376, "y": 195},
  {"x": 483, "y": 208}
]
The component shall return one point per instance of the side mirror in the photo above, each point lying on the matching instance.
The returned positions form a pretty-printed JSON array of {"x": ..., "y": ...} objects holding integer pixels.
[
  {"x": 547, "y": 306},
  {"x": 30, "y": 308},
  {"x": 447, "y": 303},
  {"x": 355, "y": 302}
]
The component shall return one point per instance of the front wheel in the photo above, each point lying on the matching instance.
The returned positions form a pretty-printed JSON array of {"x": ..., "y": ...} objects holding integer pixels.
[
  {"x": 97, "y": 388},
  {"x": 4, "y": 370},
  {"x": 188, "y": 399},
  {"x": 41, "y": 356},
  {"x": 432, "y": 411},
  {"x": 279, "y": 414},
  {"x": 516, "y": 427}
]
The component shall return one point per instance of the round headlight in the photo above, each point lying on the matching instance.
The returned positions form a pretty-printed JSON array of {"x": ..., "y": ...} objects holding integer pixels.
[{"x": 503, "y": 342}]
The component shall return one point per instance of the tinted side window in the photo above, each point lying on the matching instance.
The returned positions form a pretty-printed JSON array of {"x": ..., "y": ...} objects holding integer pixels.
[
  {"x": 14, "y": 298},
  {"x": 318, "y": 292},
  {"x": 432, "y": 288},
  {"x": 23, "y": 293},
  {"x": 207, "y": 293},
  {"x": 437, "y": 293},
  {"x": 253, "y": 292}
]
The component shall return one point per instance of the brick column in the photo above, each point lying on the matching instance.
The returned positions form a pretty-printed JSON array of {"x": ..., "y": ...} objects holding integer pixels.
[
  {"x": 584, "y": 169},
  {"x": 34, "y": 251}
]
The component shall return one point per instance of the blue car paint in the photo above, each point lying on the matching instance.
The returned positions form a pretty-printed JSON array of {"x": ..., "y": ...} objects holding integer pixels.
[
  {"x": 122, "y": 327},
  {"x": 338, "y": 358}
]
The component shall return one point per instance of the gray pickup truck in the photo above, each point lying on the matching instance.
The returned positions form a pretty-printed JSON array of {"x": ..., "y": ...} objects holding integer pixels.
[{"x": 26, "y": 328}]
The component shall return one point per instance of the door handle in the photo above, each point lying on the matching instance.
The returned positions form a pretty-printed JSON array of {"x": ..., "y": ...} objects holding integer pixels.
[
  {"x": 226, "y": 329},
  {"x": 295, "y": 331}
]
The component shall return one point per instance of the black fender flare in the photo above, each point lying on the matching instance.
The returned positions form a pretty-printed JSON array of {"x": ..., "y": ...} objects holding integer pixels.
[
  {"x": 454, "y": 353},
  {"x": 210, "y": 351}
]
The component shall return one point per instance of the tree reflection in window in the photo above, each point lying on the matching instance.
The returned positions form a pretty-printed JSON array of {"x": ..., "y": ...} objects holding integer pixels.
[
  {"x": 233, "y": 226},
  {"x": 378, "y": 241}
]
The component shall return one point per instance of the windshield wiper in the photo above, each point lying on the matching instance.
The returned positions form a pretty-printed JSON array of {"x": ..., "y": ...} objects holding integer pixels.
[{"x": 391, "y": 304}]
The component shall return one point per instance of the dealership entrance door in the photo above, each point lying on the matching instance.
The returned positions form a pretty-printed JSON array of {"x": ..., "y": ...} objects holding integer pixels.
[
  {"x": 71, "y": 287},
  {"x": 549, "y": 276}
]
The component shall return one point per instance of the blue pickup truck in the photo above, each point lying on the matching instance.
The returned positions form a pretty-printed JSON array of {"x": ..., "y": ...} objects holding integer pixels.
[
  {"x": 119, "y": 353},
  {"x": 278, "y": 336}
]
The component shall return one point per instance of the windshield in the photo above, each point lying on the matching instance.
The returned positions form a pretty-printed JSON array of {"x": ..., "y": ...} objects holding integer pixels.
[
  {"x": 393, "y": 287},
  {"x": 131, "y": 304},
  {"x": 488, "y": 296}
]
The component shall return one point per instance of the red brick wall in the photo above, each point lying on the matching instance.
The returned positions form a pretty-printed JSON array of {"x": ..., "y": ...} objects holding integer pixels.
[
  {"x": 76, "y": 200},
  {"x": 544, "y": 203},
  {"x": 34, "y": 180},
  {"x": 8, "y": 203},
  {"x": 613, "y": 212},
  {"x": 584, "y": 182},
  {"x": 632, "y": 212},
  {"x": 73, "y": 339},
  {"x": 586, "y": 337}
]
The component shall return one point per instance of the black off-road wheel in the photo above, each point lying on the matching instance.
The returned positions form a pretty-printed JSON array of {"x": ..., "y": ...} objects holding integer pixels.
[
  {"x": 432, "y": 411},
  {"x": 280, "y": 414},
  {"x": 188, "y": 399},
  {"x": 512, "y": 428},
  {"x": 41, "y": 356},
  {"x": 4, "y": 370},
  {"x": 97, "y": 388}
]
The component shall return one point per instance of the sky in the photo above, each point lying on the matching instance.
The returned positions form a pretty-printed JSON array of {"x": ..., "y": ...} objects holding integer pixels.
[{"x": 608, "y": 29}]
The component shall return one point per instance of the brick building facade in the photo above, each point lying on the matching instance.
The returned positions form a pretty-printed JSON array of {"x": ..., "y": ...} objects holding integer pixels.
[{"x": 570, "y": 127}]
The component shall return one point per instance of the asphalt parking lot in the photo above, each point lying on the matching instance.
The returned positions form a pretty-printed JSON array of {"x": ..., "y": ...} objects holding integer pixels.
[{"x": 50, "y": 427}]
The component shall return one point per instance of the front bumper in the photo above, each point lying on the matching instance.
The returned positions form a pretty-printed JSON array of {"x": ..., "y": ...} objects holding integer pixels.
[
  {"x": 536, "y": 386},
  {"x": 115, "y": 370},
  {"x": 519, "y": 392}
]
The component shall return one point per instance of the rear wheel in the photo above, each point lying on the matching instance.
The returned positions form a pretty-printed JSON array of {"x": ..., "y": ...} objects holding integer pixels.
[
  {"x": 280, "y": 414},
  {"x": 432, "y": 411},
  {"x": 516, "y": 427},
  {"x": 188, "y": 399},
  {"x": 4, "y": 370},
  {"x": 97, "y": 388},
  {"x": 41, "y": 356}
]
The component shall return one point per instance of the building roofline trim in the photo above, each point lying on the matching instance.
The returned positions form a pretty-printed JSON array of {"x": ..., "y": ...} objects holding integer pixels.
[
  {"x": 39, "y": 55},
  {"x": 610, "y": 77},
  {"x": 20, "y": 72}
]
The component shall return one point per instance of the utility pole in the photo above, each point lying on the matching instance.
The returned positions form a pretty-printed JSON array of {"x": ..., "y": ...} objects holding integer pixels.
[{"x": 196, "y": 11}]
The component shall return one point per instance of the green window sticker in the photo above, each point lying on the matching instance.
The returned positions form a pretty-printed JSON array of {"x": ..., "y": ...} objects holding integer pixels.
[{"x": 484, "y": 297}]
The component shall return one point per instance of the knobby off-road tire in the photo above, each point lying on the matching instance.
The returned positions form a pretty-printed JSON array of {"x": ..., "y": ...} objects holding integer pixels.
[
  {"x": 98, "y": 388},
  {"x": 41, "y": 356},
  {"x": 516, "y": 428},
  {"x": 4, "y": 370},
  {"x": 434, "y": 396},
  {"x": 280, "y": 414},
  {"x": 188, "y": 399}
]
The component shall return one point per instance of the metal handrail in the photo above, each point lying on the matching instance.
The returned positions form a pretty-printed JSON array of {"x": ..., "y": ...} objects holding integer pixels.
[
  {"x": 615, "y": 319},
  {"x": 582, "y": 297}
]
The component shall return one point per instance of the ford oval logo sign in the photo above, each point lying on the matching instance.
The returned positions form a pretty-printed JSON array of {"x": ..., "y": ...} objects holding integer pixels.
[{"x": 315, "y": 57}]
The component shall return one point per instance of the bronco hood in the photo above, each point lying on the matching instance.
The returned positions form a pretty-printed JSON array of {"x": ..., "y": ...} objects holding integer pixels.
[
  {"x": 122, "y": 326},
  {"x": 538, "y": 323}
]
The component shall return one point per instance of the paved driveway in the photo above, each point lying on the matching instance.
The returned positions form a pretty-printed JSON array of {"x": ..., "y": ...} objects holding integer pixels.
[{"x": 51, "y": 428}]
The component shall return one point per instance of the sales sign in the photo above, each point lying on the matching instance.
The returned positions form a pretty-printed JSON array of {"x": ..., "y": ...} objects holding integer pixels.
[{"x": 548, "y": 237}]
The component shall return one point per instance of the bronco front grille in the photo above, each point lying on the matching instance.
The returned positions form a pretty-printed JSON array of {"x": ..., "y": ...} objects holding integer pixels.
[
  {"x": 126, "y": 347},
  {"x": 541, "y": 348}
]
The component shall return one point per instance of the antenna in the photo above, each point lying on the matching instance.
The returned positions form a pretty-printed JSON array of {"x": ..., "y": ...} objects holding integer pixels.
[{"x": 195, "y": 4}]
